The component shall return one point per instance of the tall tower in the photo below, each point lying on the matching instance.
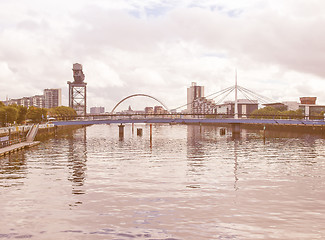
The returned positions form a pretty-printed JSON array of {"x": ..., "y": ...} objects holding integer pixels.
[
  {"x": 193, "y": 92},
  {"x": 77, "y": 91}
]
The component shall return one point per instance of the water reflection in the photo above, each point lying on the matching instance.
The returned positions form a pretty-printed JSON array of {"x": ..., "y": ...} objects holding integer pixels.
[
  {"x": 235, "y": 164},
  {"x": 195, "y": 154},
  {"x": 12, "y": 168},
  {"x": 77, "y": 158},
  {"x": 193, "y": 184}
]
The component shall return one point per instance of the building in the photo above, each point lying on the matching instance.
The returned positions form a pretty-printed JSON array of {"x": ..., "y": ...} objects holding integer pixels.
[
  {"x": 197, "y": 103},
  {"x": 130, "y": 111},
  {"x": 308, "y": 100},
  {"x": 307, "y": 105},
  {"x": 52, "y": 98},
  {"x": 149, "y": 110},
  {"x": 309, "y": 108},
  {"x": 97, "y": 110},
  {"x": 202, "y": 105},
  {"x": 245, "y": 107},
  {"x": 159, "y": 110},
  {"x": 77, "y": 91},
  {"x": 193, "y": 92},
  {"x": 284, "y": 106},
  {"x": 13, "y": 101},
  {"x": 38, "y": 101},
  {"x": 291, "y": 105}
]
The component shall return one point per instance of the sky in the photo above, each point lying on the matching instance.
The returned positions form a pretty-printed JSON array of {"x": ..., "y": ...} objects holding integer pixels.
[{"x": 158, "y": 47}]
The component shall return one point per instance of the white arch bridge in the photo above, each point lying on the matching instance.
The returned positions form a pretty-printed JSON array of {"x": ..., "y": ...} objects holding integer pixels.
[{"x": 139, "y": 95}]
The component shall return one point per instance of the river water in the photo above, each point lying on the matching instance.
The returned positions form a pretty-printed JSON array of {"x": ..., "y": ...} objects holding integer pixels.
[{"x": 188, "y": 183}]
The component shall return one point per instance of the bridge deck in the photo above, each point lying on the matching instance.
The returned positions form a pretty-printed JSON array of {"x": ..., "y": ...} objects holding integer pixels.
[{"x": 194, "y": 120}]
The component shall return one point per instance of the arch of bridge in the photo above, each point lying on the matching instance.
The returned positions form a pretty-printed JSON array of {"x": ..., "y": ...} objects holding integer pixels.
[{"x": 139, "y": 95}]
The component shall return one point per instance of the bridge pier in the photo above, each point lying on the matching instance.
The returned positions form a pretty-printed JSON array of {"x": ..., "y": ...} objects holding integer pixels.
[
  {"x": 121, "y": 131},
  {"x": 150, "y": 132},
  {"x": 139, "y": 131},
  {"x": 150, "y": 135}
]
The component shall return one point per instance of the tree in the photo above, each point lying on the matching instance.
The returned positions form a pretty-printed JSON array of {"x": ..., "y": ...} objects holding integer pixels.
[
  {"x": 37, "y": 115},
  {"x": 298, "y": 114},
  {"x": 8, "y": 115},
  {"x": 266, "y": 112},
  {"x": 11, "y": 114},
  {"x": 22, "y": 111},
  {"x": 62, "y": 112},
  {"x": 2, "y": 116},
  {"x": 271, "y": 112}
]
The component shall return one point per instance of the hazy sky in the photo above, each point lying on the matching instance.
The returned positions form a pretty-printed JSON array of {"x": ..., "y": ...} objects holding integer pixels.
[{"x": 159, "y": 47}]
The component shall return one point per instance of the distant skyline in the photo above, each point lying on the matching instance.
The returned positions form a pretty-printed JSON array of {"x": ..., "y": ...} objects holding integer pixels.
[{"x": 159, "y": 47}]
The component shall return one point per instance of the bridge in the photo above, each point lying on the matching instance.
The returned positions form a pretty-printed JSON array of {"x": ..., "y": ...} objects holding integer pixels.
[
  {"x": 235, "y": 119},
  {"x": 183, "y": 119}
]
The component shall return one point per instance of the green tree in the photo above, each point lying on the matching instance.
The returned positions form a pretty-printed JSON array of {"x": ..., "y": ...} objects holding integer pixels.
[
  {"x": 266, "y": 112},
  {"x": 271, "y": 112},
  {"x": 11, "y": 114},
  {"x": 62, "y": 112},
  {"x": 37, "y": 115},
  {"x": 292, "y": 114},
  {"x": 22, "y": 111},
  {"x": 2, "y": 116},
  {"x": 8, "y": 114}
]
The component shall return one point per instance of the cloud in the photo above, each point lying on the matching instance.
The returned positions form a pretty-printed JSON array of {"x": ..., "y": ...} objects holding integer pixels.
[{"x": 160, "y": 47}]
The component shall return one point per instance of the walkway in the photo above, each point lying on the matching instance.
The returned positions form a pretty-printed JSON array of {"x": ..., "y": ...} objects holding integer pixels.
[{"x": 16, "y": 147}]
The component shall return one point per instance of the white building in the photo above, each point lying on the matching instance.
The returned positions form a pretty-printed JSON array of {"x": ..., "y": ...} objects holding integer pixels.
[{"x": 245, "y": 107}]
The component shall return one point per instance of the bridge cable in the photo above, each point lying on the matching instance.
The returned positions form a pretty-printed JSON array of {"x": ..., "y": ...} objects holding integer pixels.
[
  {"x": 247, "y": 96},
  {"x": 225, "y": 91},
  {"x": 265, "y": 99},
  {"x": 219, "y": 92},
  {"x": 257, "y": 97},
  {"x": 225, "y": 96}
]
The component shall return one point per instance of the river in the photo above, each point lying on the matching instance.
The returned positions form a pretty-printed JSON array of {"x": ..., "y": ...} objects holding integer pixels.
[{"x": 189, "y": 183}]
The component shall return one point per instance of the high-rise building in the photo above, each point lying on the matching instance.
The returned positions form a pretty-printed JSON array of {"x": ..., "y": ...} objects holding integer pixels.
[
  {"x": 193, "y": 92},
  {"x": 52, "y": 97},
  {"x": 77, "y": 91},
  {"x": 38, "y": 101},
  {"x": 26, "y": 102}
]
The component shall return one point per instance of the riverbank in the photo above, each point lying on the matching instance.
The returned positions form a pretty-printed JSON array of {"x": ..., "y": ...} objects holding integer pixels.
[{"x": 15, "y": 138}]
